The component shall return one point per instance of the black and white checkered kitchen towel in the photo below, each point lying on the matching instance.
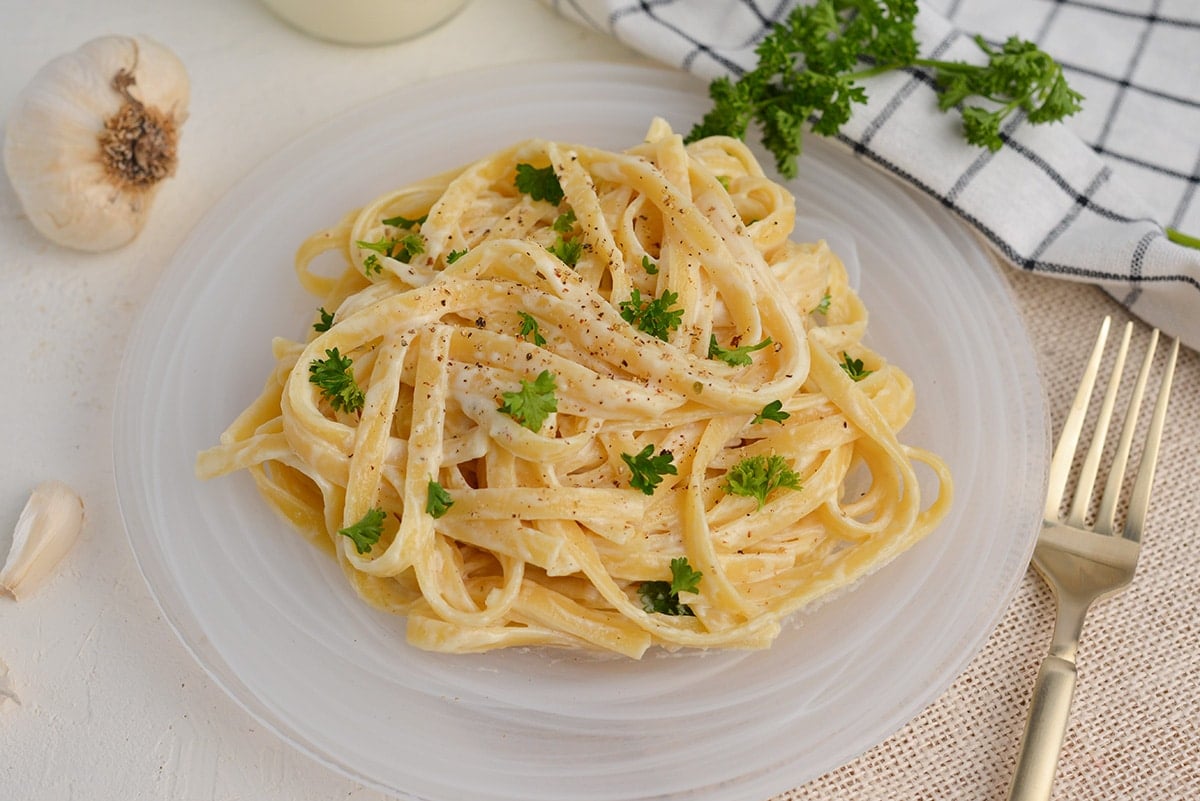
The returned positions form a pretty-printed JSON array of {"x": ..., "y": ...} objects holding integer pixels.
[{"x": 1087, "y": 200}]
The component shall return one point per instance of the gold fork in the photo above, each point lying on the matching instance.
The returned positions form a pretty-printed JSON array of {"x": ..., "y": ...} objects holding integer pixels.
[{"x": 1082, "y": 564}]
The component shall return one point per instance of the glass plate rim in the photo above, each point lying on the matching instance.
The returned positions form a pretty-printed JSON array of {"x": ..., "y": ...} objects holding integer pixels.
[{"x": 137, "y": 516}]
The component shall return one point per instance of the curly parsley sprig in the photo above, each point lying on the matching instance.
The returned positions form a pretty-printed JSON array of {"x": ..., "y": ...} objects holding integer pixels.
[
  {"x": 366, "y": 532},
  {"x": 809, "y": 70},
  {"x": 437, "y": 499},
  {"x": 647, "y": 470},
  {"x": 401, "y": 249},
  {"x": 854, "y": 367},
  {"x": 758, "y": 476},
  {"x": 772, "y": 411},
  {"x": 653, "y": 316},
  {"x": 334, "y": 376},
  {"x": 530, "y": 331},
  {"x": 540, "y": 183},
  {"x": 663, "y": 596},
  {"x": 325, "y": 323},
  {"x": 533, "y": 402},
  {"x": 738, "y": 356}
]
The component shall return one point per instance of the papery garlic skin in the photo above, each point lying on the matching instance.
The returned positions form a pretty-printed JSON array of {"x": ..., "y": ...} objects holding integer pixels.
[
  {"x": 52, "y": 147},
  {"x": 47, "y": 528}
]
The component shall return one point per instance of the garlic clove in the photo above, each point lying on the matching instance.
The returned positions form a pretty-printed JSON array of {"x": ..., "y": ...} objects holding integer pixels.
[
  {"x": 92, "y": 136},
  {"x": 7, "y": 693},
  {"x": 47, "y": 528}
]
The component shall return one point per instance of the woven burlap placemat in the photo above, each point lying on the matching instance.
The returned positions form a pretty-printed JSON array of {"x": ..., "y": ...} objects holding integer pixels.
[{"x": 1135, "y": 723}]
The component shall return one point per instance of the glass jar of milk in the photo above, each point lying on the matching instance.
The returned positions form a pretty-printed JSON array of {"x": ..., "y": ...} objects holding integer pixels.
[{"x": 365, "y": 22}]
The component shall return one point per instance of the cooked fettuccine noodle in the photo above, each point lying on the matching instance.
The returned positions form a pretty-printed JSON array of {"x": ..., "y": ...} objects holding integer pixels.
[{"x": 543, "y": 536}]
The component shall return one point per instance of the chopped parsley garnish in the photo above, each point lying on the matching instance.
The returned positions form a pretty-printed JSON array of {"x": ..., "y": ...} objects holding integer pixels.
[
  {"x": 663, "y": 596},
  {"x": 371, "y": 264},
  {"x": 757, "y": 476},
  {"x": 735, "y": 357},
  {"x": 539, "y": 183},
  {"x": 326, "y": 321},
  {"x": 683, "y": 578},
  {"x": 568, "y": 251},
  {"x": 437, "y": 500},
  {"x": 773, "y": 411},
  {"x": 455, "y": 255},
  {"x": 533, "y": 402},
  {"x": 401, "y": 249},
  {"x": 808, "y": 69},
  {"x": 403, "y": 222},
  {"x": 564, "y": 222},
  {"x": 335, "y": 378},
  {"x": 383, "y": 246},
  {"x": 365, "y": 533},
  {"x": 655, "y": 316},
  {"x": 854, "y": 367},
  {"x": 650, "y": 267},
  {"x": 529, "y": 329},
  {"x": 411, "y": 245},
  {"x": 648, "y": 469},
  {"x": 823, "y": 306}
]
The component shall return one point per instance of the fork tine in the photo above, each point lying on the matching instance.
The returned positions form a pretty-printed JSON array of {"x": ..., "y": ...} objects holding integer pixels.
[
  {"x": 1140, "y": 499},
  {"x": 1106, "y": 515},
  {"x": 1091, "y": 463},
  {"x": 1064, "y": 452}
]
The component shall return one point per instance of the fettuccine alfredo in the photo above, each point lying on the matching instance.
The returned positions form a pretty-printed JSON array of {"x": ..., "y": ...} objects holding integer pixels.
[{"x": 570, "y": 397}]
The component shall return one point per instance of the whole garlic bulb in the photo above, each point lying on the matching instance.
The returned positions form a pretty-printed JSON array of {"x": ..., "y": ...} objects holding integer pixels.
[{"x": 92, "y": 136}]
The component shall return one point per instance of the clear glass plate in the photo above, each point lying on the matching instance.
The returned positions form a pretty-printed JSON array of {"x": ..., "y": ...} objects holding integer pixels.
[{"x": 274, "y": 623}]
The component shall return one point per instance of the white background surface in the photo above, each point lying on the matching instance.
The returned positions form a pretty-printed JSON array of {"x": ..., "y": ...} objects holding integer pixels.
[{"x": 111, "y": 705}]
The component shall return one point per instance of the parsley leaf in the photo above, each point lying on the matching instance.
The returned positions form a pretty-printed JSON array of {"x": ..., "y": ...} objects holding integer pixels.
[
  {"x": 808, "y": 69},
  {"x": 655, "y": 317},
  {"x": 404, "y": 222},
  {"x": 371, "y": 264},
  {"x": 529, "y": 328},
  {"x": 663, "y": 596},
  {"x": 568, "y": 251},
  {"x": 650, "y": 267},
  {"x": 735, "y": 357},
  {"x": 365, "y": 533},
  {"x": 649, "y": 469},
  {"x": 683, "y": 578},
  {"x": 657, "y": 597},
  {"x": 455, "y": 255},
  {"x": 437, "y": 500},
  {"x": 402, "y": 249},
  {"x": 1017, "y": 76},
  {"x": 539, "y": 184},
  {"x": 533, "y": 402},
  {"x": 383, "y": 246},
  {"x": 758, "y": 476},
  {"x": 335, "y": 378},
  {"x": 326, "y": 321},
  {"x": 564, "y": 222},
  {"x": 823, "y": 306},
  {"x": 772, "y": 411},
  {"x": 854, "y": 367},
  {"x": 411, "y": 245}
]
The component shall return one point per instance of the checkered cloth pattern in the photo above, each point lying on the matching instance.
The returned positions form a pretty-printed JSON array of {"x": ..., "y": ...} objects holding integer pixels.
[{"x": 1088, "y": 200}]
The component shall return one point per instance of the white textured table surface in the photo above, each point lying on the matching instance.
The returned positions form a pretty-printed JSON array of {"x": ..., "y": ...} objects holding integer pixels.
[{"x": 112, "y": 706}]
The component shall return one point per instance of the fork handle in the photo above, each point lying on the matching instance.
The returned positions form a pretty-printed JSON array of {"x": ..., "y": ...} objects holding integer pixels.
[{"x": 1044, "y": 730}]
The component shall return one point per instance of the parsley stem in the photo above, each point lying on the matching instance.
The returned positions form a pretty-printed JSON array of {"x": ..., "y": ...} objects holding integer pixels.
[
  {"x": 946, "y": 66},
  {"x": 1180, "y": 238},
  {"x": 878, "y": 69}
]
